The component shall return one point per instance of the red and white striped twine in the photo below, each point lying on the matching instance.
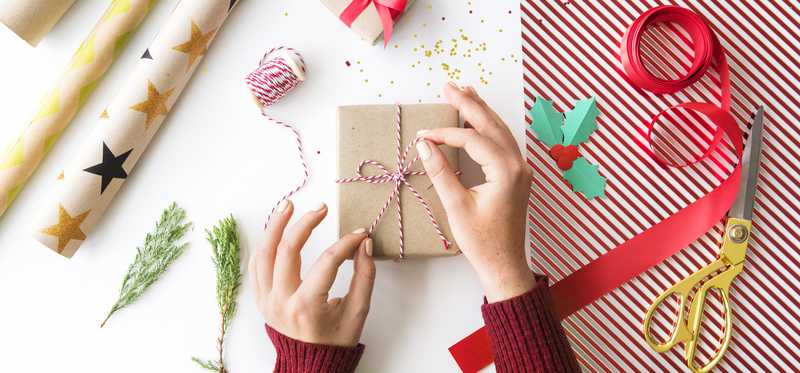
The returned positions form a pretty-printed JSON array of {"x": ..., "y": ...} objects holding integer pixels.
[
  {"x": 272, "y": 80},
  {"x": 399, "y": 178}
]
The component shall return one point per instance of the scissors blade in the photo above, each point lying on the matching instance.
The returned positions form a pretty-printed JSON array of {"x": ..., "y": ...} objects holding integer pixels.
[{"x": 743, "y": 205}]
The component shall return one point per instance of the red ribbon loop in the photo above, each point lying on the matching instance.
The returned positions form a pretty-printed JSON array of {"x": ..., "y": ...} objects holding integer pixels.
[{"x": 388, "y": 12}]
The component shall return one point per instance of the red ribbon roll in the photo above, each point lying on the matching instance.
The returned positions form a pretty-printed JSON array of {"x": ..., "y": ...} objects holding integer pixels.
[{"x": 677, "y": 231}]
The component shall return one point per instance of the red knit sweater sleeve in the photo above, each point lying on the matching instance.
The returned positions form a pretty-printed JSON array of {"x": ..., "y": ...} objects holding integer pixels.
[
  {"x": 525, "y": 334},
  {"x": 300, "y": 357}
]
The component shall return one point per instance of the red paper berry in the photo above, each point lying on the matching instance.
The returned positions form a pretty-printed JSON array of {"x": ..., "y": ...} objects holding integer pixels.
[
  {"x": 564, "y": 155},
  {"x": 555, "y": 151}
]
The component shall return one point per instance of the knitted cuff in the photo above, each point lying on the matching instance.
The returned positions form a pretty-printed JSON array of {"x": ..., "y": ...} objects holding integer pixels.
[
  {"x": 525, "y": 334},
  {"x": 296, "y": 356}
]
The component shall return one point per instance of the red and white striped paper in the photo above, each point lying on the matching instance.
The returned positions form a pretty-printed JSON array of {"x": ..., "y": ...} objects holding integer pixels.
[{"x": 571, "y": 52}]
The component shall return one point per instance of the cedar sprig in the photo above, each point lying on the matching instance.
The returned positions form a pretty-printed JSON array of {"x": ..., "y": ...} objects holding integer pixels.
[
  {"x": 225, "y": 255},
  {"x": 161, "y": 248}
]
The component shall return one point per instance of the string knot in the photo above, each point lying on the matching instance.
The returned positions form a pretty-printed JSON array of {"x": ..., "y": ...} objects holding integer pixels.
[{"x": 400, "y": 179}]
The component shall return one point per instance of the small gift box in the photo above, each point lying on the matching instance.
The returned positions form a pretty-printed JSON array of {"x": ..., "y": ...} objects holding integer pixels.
[
  {"x": 379, "y": 172},
  {"x": 369, "y": 18}
]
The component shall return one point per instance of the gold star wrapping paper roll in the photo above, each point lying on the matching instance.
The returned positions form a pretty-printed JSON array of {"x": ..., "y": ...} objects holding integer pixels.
[
  {"x": 60, "y": 104},
  {"x": 99, "y": 168},
  {"x": 31, "y": 20}
]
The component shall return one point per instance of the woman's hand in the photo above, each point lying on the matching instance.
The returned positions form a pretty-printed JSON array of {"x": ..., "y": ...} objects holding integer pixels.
[
  {"x": 488, "y": 220},
  {"x": 301, "y": 309}
]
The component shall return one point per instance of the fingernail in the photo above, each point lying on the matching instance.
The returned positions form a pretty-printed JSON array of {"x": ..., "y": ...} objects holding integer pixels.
[
  {"x": 282, "y": 206},
  {"x": 368, "y": 247},
  {"x": 453, "y": 84},
  {"x": 423, "y": 150},
  {"x": 472, "y": 90},
  {"x": 359, "y": 231},
  {"x": 422, "y": 132},
  {"x": 319, "y": 207}
]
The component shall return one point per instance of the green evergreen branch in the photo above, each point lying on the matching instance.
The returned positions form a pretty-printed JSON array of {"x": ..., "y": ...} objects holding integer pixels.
[
  {"x": 161, "y": 248},
  {"x": 225, "y": 245}
]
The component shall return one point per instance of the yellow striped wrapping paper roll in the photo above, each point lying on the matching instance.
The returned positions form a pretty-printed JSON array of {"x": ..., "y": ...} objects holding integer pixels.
[
  {"x": 60, "y": 104},
  {"x": 31, "y": 20},
  {"x": 100, "y": 166}
]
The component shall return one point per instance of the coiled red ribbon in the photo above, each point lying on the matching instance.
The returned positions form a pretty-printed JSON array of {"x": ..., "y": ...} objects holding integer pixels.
[{"x": 677, "y": 231}]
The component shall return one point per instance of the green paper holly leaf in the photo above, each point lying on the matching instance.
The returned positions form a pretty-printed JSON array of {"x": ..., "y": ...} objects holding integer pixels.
[
  {"x": 585, "y": 178},
  {"x": 580, "y": 122},
  {"x": 546, "y": 122}
]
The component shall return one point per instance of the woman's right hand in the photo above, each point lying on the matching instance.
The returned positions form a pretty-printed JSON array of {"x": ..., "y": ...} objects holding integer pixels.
[{"x": 488, "y": 220}]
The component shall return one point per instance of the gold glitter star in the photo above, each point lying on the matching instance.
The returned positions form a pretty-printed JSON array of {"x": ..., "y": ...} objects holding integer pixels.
[
  {"x": 197, "y": 44},
  {"x": 67, "y": 229},
  {"x": 155, "y": 105}
]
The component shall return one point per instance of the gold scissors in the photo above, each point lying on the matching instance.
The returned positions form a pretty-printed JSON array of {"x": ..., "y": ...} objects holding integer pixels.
[{"x": 720, "y": 273}]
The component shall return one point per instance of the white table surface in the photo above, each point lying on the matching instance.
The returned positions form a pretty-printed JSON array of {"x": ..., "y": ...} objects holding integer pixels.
[{"x": 215, "y": 155}]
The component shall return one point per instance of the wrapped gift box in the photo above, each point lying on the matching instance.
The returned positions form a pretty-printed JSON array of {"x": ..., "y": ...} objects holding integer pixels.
[
  {"x": 368, "y": 132},
  {"x": 368, "y": 23}
]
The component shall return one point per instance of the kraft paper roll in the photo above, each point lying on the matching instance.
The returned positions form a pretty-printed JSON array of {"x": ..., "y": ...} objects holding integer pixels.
[
  {"x": 60, "y": 104},
  {"x": 125, "y": 128},
  {"x": 31, "y": 20}
]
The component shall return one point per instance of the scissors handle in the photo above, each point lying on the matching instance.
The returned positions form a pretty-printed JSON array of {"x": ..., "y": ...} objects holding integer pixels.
[
  {"x": 687, "y": 327},
  {"x": 682, "y": 289},
  {"x": 722, "y": 282}
]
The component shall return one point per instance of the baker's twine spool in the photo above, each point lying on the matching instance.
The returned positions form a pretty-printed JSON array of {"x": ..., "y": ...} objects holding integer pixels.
[{"x": 278, "y": 73}]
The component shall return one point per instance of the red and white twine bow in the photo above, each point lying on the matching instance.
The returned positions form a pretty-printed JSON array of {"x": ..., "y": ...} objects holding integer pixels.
[{"x": 400, "y": 178}]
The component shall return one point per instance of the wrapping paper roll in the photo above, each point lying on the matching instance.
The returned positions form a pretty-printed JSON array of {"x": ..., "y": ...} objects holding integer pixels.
[
  {"x": 101, "y": 165},
  {"x": 60, "y": 104},
  {"x": 32, "y": 19}
]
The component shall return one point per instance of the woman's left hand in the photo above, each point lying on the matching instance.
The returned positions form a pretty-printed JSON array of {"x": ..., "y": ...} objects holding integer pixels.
[{"x": 301, "y": 309}]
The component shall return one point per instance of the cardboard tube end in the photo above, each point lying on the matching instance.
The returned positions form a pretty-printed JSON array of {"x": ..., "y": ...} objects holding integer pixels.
[{"x": 294, "y": 64}]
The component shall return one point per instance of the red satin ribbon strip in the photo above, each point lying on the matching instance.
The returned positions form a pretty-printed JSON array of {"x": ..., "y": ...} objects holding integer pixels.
[
  {"x": 672, "y": 234},
  {"x": 388, "y": 12},
  {"x": 473, "y": 353}
]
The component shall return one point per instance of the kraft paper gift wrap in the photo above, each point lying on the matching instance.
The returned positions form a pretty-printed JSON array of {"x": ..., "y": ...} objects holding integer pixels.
[
  {"x": 31, "y": 20},
  {"x": 62, "y": 101},
  {"x": 368, "y": 132},
  {"x": 98, "y": 169},
  {"x": 367, "y": 25}
]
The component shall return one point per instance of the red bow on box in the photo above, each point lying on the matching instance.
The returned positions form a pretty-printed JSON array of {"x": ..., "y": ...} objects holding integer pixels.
[{"x": 388, "y": 11}]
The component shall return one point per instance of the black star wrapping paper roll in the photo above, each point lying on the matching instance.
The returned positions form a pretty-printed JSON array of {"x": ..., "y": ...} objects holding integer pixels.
[
  {"x": 92, "y": 178},
  {"x": 64, "y": 99}
]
